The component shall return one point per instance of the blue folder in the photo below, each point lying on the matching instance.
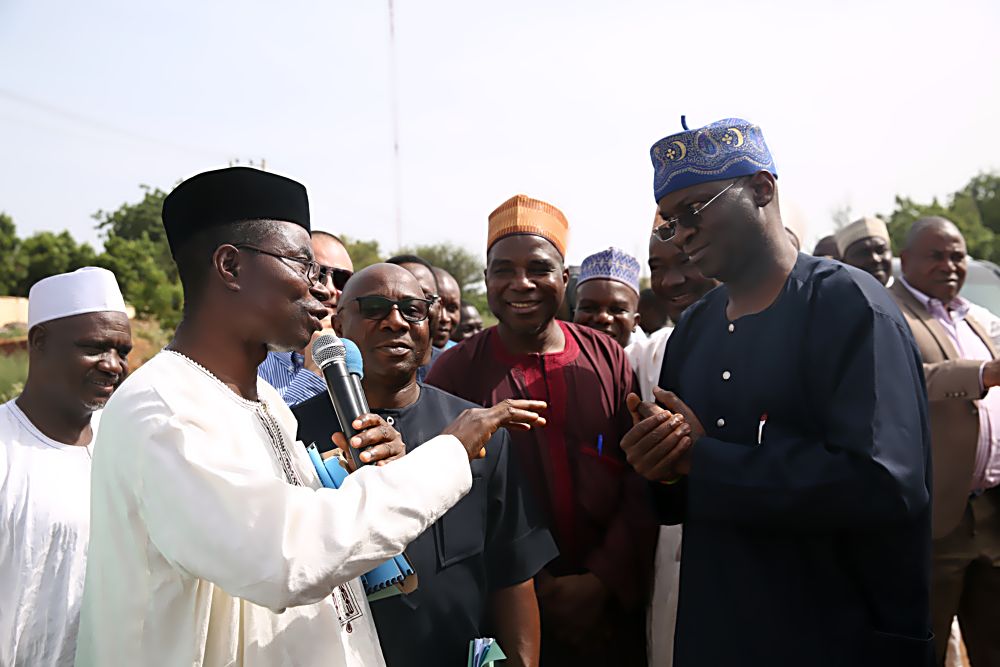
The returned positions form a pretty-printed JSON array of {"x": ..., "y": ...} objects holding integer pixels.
[{"x": 392, "y": 577}]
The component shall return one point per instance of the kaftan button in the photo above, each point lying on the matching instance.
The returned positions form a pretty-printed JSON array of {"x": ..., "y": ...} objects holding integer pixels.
[
  {"x": 726, "y": 375},
  {"x": 721, "y": 422},
  {"x": 732, "y": 328}
]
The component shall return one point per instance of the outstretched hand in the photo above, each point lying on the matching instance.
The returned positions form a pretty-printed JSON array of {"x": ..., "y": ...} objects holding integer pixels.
[{"x": 475, "y": 426}]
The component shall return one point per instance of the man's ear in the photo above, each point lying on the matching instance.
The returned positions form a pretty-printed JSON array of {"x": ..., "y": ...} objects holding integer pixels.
[
  {"x": 764, "y": 188},
  {"x": 338, "y": 325},
  {"x": 38, "y": 337},
  {"x": 636, "y": 322},
  {"x": 226, "y": 264}
]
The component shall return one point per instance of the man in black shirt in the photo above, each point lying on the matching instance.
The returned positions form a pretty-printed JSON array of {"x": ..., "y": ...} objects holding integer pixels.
[{"x": 476, "y": 565}]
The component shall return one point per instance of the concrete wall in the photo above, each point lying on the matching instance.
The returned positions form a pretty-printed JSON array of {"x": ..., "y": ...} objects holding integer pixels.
[{"x": 13, "y": 309}]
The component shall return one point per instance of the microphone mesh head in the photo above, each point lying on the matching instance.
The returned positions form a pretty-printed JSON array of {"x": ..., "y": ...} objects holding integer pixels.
[{"x": 327, "y": 348}]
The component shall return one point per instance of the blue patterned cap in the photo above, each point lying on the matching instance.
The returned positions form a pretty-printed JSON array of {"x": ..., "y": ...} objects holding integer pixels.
[
  {"x": 721, "y": 150},
  {"x": 611, "y": 264}
]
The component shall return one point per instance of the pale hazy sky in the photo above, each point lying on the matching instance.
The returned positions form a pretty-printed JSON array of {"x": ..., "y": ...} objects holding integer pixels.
[{"x": 559, "y": 100}]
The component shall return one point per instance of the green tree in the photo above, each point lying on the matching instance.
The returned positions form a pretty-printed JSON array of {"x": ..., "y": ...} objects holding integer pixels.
[
  {"x": 975, "y": 210},
  {"x": 133, "y": 222},
  {"x": 985, "y": 191},
  {"x": 961, "y": 209},
  {"x": 10, "y": 271},
  {"x": 45, "y": 254},
  {"x": 144, "y": 281},
  {"x": 136, "y": 250},
  {"x": 478, "y": 299},
  {"x": 363, "y": 253}
]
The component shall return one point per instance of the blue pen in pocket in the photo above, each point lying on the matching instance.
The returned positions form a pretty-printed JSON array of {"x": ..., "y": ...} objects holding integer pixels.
[{"x": 600, "y": 444}]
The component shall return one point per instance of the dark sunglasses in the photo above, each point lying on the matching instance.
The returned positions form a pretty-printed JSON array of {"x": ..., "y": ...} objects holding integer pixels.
[
  {"x": 688, "y": 219},
  {"x": 379, "y": 307},
  {"x": 339, "y": 277}
]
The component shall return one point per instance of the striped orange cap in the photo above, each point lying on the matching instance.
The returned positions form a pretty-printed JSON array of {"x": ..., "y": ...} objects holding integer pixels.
[{"x": 523, "y": 215}]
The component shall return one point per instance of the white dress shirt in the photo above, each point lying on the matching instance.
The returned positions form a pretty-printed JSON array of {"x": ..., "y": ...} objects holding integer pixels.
[{"x": 646, "y": 357}]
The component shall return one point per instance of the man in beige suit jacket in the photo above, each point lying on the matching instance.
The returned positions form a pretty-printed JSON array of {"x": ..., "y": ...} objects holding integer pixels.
[{"x": 961, "y": 367}]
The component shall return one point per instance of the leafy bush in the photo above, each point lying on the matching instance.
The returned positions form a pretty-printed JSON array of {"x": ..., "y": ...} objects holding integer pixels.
[{"x": 13, "y": 373}]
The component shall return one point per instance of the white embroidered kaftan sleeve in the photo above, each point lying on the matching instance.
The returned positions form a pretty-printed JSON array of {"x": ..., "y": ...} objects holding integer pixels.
[{"x": 219, "y": 518}]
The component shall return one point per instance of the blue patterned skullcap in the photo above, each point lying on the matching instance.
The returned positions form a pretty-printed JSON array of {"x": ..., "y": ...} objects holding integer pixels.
[
  {"x": 721, "y": 150},
  {"x": 611, "y": 264}
]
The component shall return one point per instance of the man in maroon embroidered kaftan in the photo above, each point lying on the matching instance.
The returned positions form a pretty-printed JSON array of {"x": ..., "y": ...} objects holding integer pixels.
[{"x": 593, "y": 596}]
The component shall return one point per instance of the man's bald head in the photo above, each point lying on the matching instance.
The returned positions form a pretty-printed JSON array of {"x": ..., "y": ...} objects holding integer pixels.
[
  {"x": 826, "y": 247},
  {"x": 377, "y": 279},
  {"x": 934, "y": 223}
]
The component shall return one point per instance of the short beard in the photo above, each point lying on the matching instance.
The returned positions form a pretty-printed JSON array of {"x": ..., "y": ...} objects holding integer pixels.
[{"x": 94, "y": 406}]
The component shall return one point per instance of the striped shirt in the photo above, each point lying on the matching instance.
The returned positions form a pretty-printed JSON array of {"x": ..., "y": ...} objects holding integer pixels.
[{"x": 286, "y": 372}]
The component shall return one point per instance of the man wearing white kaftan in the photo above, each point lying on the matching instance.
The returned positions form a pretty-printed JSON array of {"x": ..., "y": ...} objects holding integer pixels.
[
  {"x": 44, "y": 519},
  {"x": 79, "y": 339},
  {"x": 209, "y": 518},
  {"x": 78, "y": 343}
]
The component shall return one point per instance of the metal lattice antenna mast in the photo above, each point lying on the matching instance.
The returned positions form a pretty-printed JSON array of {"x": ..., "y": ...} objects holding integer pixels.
[{"x": 394, "y": 110}]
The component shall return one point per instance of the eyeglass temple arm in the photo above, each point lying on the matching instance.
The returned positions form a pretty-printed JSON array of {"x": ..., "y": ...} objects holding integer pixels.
[{"x": 721, "y": 192}]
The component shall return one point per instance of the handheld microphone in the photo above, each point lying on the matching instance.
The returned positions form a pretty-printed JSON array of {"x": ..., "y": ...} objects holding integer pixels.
[{"x": 342, "y": 366}]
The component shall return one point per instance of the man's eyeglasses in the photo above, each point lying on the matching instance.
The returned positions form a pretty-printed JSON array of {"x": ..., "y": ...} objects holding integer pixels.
[
  {"x": 313, "y": 268},
  {"x": 338, "y": 277},
  {"x": 378, "y": 308},
  {"x": 690, "y": 219}
]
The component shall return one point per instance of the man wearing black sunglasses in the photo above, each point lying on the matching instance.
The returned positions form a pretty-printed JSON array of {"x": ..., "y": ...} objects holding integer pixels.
[
  {"x": 794, "y": 442},
  {"x": 477, "y": 562},
  {"x": 294, "y": 374}
]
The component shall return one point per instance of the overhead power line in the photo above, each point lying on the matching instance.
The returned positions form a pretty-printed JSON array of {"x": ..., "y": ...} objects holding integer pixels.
[{"x": 102, "y": 126}]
